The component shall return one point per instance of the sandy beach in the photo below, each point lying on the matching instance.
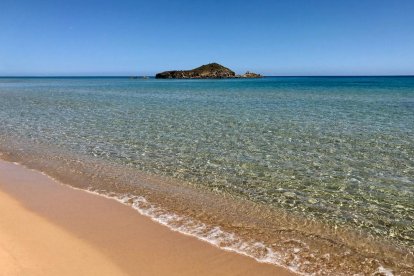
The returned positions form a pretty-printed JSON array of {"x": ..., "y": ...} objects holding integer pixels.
[{"x": 47, "y": 228}]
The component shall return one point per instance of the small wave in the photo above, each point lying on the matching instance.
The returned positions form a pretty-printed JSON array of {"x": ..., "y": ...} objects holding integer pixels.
[
  {"x": 384, "y": 271},
  {"x": 211, "y": 234}
]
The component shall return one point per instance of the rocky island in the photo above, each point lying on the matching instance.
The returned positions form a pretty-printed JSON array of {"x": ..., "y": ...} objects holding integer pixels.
[{"x": 208, "y": 71}]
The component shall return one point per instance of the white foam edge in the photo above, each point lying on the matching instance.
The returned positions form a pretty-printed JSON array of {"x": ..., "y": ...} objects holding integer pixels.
[{"x": 167, "y": 219}]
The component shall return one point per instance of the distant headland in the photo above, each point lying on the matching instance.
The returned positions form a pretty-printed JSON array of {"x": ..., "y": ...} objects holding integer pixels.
[{"x": 208, "y": 71}]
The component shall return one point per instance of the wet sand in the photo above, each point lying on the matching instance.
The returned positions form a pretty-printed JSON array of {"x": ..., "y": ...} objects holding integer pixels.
[{"x": 51, "y": 229}]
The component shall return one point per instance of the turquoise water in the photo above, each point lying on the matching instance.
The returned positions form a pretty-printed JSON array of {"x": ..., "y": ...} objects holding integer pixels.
[{"x": 337, "y": 150}]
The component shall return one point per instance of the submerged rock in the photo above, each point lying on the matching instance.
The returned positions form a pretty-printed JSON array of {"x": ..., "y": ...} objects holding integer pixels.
[{"x": 289, "y": 194}]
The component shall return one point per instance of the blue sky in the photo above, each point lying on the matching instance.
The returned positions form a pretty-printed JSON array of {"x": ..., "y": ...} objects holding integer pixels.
[{"x": 291, "y": 37}]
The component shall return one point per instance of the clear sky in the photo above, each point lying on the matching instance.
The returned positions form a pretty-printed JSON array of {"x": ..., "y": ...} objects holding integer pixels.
[{"x": 291, "y": 37}]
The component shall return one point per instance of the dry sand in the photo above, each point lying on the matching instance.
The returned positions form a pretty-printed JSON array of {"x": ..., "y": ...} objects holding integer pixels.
[{"x": 51, "y": 229}]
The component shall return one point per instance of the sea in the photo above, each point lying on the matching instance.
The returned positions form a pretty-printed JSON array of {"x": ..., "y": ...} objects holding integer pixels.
[{"x": 315, "y": 174}]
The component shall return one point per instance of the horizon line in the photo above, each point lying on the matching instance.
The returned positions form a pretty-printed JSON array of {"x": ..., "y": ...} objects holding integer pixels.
[{"x": 150, "y": 76}]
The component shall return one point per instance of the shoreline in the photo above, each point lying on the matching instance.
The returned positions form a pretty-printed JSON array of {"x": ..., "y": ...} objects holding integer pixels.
[
  {"x": 114, "y": 236},
  {"x": 229, "y": 240}
]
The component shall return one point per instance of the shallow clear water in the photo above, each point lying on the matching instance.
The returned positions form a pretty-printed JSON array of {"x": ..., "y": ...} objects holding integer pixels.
[{"x": 339, "y": 151}]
